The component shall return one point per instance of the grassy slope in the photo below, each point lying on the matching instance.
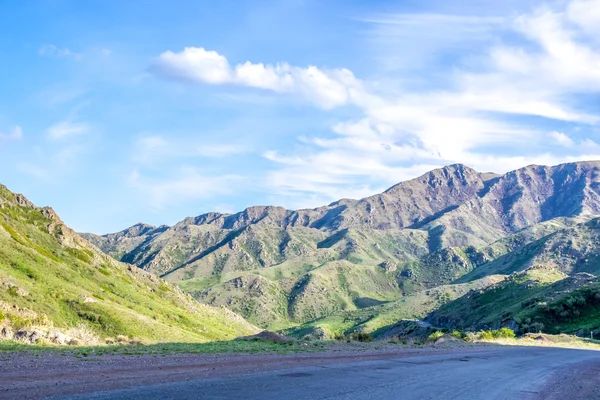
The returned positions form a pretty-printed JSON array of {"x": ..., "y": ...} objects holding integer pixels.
[
  {"x": 361, "y": 269},
  {"x": 376, "y": 319},
  {"x": 520, "y": 298},
  {"x": 57, "y": 279}
]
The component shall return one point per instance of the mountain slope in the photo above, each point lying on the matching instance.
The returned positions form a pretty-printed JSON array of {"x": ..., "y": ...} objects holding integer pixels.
[
  {"x": 282, "y": 268},
  {"x": 52, "y": 278}
]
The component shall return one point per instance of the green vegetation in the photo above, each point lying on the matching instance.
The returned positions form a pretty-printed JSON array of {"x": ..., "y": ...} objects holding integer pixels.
[
  {"x": 51, "y": 279},
  {"x": 231, "y": 346},
  {"x": 578, "y": 311},
  {"x": 380, "y": 318},
  {"x": 503, "y": 333},
  {"x": 435, "y": 336}
]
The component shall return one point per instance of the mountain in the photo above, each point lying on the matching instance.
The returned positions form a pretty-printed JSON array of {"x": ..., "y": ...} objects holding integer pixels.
[
  {"x": 56, "y": 286},
  {"x": 451, "y": 226}
]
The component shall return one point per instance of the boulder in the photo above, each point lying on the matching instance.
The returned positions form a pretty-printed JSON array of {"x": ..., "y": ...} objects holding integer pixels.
[{"x": 6, "y": 332}]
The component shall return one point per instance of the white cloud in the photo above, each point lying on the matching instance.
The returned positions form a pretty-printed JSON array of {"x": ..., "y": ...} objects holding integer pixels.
[
  {"x": 66, "y": 128},
  {"x": 586, "y": 14},
  {"x": 15, "y": 134},
  {"x": 549, "y": 59},
  {"x": 403, "y": 133},
  {"x": 561, "y": 139},
  {"x": 326, "y": 88}
]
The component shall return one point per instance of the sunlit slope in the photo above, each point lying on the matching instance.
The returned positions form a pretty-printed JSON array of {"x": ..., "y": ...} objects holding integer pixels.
[{"x": 51, "y": 277}]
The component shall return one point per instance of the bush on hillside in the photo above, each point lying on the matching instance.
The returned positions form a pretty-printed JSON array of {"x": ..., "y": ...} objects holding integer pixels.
[
  {"x": 435, "y": 336},
  {"x": 503, "y": 333},
  {"x": 458, "y": 335},
  {"x": 361, "y": 337}
]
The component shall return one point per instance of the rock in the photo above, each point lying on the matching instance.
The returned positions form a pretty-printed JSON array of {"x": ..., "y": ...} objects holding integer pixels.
[
  {"x": 389, "y": 266},
  {"x": 58, "y": 337},
  {"x": 36, "y": 336},
  {"x": 21, "y": 335},
  {"x": 269, "y": 336},
  {"x": 511, "y": 324},
  {"x": 6, "y": 332},
  {"x": 23, "y": 201}
]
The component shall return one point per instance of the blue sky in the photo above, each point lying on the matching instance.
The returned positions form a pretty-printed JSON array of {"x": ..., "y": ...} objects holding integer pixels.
[{"x": 152, "y": 111}]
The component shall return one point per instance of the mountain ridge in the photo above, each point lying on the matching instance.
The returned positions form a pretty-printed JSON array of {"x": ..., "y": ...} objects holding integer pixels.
[{"x": 295, "y": 265}]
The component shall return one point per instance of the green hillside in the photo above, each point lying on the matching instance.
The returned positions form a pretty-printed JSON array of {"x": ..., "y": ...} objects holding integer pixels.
[{"x": 50, "y": 278}]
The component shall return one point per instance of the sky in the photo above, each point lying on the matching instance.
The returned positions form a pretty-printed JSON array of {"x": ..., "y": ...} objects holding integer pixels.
[{"x": 115, "y": 112}]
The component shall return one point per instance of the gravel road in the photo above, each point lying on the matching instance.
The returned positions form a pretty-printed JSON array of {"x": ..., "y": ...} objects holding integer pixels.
[{"x": 471, "y": 373}]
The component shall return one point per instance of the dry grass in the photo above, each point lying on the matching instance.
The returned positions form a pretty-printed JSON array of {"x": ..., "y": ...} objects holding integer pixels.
[
  {"x": 545, "y": 340},
  {"x": 84, "y": 335}
]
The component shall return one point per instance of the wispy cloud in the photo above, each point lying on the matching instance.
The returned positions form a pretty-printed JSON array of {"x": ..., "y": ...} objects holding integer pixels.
[
  {"x": 326, "y": 88},
  {"x": 492, "y": 77},
  {"x": 188, "y": 183},
  {"x": 66, "y": 128},
  {"x": 51, "y": 50},
  {"x": 561, "y": 139},
  {"x": 407, "y": 41},
  {"x": 15, "y": 134},
  {"x": 154, "y": 149},
  {"x": 475, "y": 120}
]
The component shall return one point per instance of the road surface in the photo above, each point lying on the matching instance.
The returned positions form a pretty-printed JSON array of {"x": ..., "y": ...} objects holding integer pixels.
[
  {"x": 505, "y": 373},
  {"x": 472, "y": 373}
]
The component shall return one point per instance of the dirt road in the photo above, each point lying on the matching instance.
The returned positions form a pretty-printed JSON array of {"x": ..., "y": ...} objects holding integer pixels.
[{"x": 472, "y": 373}]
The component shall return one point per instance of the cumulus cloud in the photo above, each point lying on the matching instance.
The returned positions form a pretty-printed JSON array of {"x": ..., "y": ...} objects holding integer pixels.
[
  {"x": 326, "y": 88},
  {"x": 15, "y": 134}
]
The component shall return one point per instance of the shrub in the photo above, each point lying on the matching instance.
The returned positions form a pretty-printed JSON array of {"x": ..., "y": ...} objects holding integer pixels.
[
  {"x": 435, "y": 336},
  {"x": 485, "y": 335},
  {"x": 503, "y": 333},
  {"x": 458, "y": 335},
  {"x": 362, "y": 337},
  {"x": 79, "y": 254},
  {"x": 122, "y": 339},
  {"x": 506, "y": 333}
]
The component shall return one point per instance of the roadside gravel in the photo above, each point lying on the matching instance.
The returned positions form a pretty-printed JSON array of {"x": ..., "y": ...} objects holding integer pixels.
[{"x": 580, "y": 382}]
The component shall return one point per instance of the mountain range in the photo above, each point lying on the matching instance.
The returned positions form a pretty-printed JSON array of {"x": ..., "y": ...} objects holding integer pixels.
[{"x": 418, "y": 250}]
